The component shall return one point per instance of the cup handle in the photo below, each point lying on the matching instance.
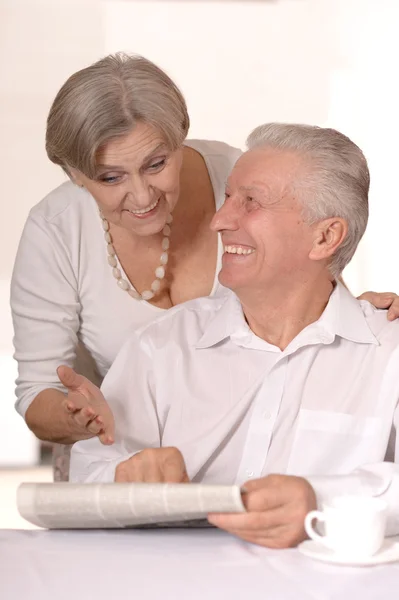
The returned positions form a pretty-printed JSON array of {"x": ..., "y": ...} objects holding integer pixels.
[{"x": 310, "y": 517}]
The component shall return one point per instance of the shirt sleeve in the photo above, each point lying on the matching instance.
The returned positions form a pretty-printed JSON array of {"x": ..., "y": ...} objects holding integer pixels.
[
  {"x": 377, "y": 480},
  {"x": 45, "y": 310},
  {"x": 129, "y": 389}
]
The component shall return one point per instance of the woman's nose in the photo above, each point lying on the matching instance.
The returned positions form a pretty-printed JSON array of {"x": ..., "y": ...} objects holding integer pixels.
[{"x": 141, "y": 194}]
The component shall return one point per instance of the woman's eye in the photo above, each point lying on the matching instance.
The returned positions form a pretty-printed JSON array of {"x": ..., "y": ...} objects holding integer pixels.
[
  {"x": 110, "y": 179},
  {"x": 157, "y": 165}
]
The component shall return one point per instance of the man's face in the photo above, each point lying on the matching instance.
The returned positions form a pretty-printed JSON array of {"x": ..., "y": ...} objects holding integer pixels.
[{"x": 265, "y": 237}]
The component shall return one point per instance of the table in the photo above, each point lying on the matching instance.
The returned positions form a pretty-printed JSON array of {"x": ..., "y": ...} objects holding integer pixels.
[{"x": 174, "y": 564}]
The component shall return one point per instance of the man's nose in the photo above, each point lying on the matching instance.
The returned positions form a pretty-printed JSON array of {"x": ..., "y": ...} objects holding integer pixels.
[{"x": 226, "y": 217}]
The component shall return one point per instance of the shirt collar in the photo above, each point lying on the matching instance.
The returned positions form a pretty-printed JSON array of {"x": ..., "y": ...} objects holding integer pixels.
[
  {"x": 343, "y": 317},
  {"x": 229, "y": 320}
]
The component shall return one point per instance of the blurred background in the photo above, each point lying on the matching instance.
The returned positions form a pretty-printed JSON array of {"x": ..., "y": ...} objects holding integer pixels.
[{"x": 239, "y": 63}]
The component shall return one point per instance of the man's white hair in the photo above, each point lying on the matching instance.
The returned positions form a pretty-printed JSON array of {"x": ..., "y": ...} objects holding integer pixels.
[{"x": 336, "y": 184}]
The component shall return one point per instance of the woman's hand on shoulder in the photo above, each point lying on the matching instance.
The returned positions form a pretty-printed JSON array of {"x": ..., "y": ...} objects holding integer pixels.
[
  {"x": 89, "y": 413},
  {"x": 387, "y": 300}
]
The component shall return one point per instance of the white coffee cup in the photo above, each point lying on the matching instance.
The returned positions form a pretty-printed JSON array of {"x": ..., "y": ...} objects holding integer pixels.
[{"x": 354, "y": 526}]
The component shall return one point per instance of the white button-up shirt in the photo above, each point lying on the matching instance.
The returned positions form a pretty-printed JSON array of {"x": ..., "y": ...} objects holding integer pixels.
[{"x": 237, "y": 407}]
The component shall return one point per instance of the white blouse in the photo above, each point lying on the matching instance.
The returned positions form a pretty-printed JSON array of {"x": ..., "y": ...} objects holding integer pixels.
[{"x": 64, "y": 298}]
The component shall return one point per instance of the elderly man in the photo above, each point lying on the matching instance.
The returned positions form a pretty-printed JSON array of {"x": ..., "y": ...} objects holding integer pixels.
[{"x": 287, "y": 385}]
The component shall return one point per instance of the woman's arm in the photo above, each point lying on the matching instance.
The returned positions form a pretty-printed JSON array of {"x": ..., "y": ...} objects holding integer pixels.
[
  {"x": 47, "y": 418},
  {"x": 79, "y": 414},
  {"x": 45, "y": 308}
]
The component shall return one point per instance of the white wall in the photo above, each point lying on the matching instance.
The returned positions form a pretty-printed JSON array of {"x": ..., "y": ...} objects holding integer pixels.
[
  {"x": 41, "y": 44},
  {"x": 239, "y": 63},
  {"x": 363, "y": 103}
]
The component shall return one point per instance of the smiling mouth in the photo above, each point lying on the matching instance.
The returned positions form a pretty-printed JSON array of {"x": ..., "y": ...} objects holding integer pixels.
[
  {"x": 238, "y": 250},
  {"x": 144, "y": 211}
]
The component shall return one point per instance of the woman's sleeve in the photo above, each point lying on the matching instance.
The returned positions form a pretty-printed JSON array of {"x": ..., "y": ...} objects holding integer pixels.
[{"x": 45, "y": 310}]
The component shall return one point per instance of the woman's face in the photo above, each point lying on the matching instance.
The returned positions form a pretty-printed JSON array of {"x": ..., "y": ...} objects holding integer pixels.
[{"x": 137, "y": 182}]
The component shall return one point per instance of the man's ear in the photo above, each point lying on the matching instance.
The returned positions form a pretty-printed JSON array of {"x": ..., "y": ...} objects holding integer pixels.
[{"x": 328, "y": 236}]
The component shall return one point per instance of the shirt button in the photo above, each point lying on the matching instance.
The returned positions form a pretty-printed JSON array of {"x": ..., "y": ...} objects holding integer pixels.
[
  {"x": 249, "y": 473},
  {"x": 266, "y": 414}
]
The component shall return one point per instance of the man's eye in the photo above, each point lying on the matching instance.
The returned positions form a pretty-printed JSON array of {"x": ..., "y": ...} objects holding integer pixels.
[
  {"x": 250, "y": 198},
  {"x": 227, "y": 195}
]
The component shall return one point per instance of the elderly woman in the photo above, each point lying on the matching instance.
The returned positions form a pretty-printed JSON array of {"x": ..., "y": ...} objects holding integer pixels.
[{"x": 126, "y": 238}]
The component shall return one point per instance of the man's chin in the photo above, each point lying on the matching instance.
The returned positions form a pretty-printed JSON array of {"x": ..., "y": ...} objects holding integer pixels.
[{"x": 229, "y": 281}]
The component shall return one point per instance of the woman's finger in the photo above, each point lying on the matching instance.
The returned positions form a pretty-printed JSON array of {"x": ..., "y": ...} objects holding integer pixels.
[
  {"x": 95, "y": 426},
  {"x": 393, "y": 312},
  {"x": 84, "y": 416},
  {"x": 105, "y": 438}
]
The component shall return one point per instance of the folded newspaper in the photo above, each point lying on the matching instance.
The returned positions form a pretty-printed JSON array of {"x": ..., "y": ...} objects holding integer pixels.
[{"x": 118, "y": 505}]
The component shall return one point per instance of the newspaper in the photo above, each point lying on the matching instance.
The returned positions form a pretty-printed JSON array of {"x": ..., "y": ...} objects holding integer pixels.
[{"x": 118, "y": 505}]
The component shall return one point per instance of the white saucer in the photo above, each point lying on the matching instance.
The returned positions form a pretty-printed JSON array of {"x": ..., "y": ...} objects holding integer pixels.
[{"x": 389, "y": 552}]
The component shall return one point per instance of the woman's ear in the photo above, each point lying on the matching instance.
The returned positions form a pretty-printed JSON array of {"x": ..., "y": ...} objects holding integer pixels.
[
  {"x": 76, "y": 176},
  {"x": 328, "y": 236}
]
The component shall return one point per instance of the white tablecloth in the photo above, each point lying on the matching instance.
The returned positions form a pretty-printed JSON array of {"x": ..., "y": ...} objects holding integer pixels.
[{"x": 174, "y": 564}]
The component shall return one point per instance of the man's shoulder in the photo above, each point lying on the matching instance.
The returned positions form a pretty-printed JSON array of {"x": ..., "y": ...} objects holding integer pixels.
[
  {"x": 184, "y": 323},
  {"x": 386, "y": 332}
]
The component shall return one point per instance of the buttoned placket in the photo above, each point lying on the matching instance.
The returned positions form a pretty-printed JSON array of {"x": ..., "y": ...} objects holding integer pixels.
[
  {"x": 262, "y": 422},
  {"x": 267, "y": 405}
]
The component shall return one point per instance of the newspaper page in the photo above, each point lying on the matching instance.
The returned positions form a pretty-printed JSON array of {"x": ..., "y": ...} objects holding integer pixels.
[{"x": 118, "y": 505}]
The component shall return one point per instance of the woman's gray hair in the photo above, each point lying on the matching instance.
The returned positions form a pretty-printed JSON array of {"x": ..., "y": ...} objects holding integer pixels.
[
  {"x": 336, "y": 184},
  {"x": 105, "y": 101}
]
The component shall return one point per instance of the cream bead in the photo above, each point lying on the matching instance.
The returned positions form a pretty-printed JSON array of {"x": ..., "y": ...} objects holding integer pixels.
[
  {"x": 156, "y": 285},
  {"x": 123, "y": 284},
  {"x": 147, "y": 295},
  {"x": 160, "y": 272}
]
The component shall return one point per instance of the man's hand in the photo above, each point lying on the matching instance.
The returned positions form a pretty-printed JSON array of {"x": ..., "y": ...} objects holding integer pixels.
[
  {"x": 277, "y": 506},
  {"x": 387, "y": 300},
  {"x": 153, "y": 465},
  {"x": 88, "y": 412}
]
